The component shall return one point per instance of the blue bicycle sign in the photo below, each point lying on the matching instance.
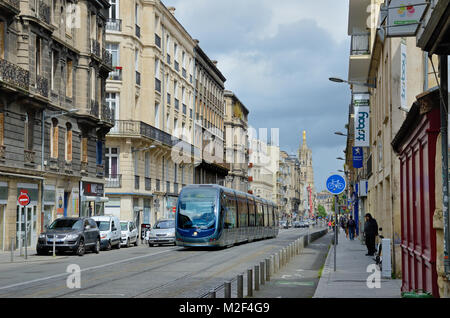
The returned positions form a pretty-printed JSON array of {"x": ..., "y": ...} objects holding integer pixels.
[{"x": 336, "y": 184}]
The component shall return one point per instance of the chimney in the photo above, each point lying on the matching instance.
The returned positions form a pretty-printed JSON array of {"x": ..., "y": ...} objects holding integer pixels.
[{"x": 172, "y": 10}]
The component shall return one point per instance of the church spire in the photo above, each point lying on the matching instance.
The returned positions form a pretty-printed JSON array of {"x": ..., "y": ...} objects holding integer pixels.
[{"x": 304, "y": 139}]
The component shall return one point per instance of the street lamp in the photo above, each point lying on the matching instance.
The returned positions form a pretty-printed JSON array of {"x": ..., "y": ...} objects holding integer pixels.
[
  {"x": 339, "y": 80},
  {"x": 340, "y": 134},
  {"x": 339, "y": 158}
]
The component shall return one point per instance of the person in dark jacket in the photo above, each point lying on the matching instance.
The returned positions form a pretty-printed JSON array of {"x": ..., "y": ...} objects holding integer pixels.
[
  {"x": 351, "y": 226},
  {"x": 370, "y": 233}
]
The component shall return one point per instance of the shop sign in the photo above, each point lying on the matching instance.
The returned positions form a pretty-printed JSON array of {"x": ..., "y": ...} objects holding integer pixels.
[
  {"x": 92, "y": 189},
  {"x": 362, "y": 119},
  {"x": 358, "y": 157},
  {"x": 60, "y": 201},
  {"x": 404, "y": 17}
]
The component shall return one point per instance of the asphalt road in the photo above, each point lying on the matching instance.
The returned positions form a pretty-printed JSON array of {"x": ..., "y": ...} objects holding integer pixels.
[{"x": 161, "y": 272}]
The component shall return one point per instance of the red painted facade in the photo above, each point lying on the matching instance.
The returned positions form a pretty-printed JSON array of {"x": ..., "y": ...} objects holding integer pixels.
[{"x": 417, "y": 154}]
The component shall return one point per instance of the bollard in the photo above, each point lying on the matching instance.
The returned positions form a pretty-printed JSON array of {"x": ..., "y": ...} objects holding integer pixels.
[
  {"x": 212, "y": 293},
  {"x": 54, "y": 246},
  {"x": 268, "y": 269},
  {"x": 249, "y": 282},
  {"x": 240, "y": 286},
  {"x": 227, "y": 289},
  {"x": 256, "y": 277},
  {"x": 280, "y": 261},
  {"x": 262, "y": 269}
]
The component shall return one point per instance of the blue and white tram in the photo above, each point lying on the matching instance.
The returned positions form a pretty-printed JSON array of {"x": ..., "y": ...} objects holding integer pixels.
[{"x": 212, "y": 215}]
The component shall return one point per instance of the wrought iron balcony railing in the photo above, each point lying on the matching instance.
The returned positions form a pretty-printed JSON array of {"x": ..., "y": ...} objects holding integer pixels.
[
  {"x": 136, "y": 182},
  {"x": 148, "y": 184},
  {"x": 113, "y": 181},
  {"x": 107, "y": 57},
  {"x": 177, "y": 66},
  {"x": 138, "y": 31},
  {"x": 93, "y": 110},
  {"x": 44, "y": 12},
  {"x": 14, "y": 75},
  {"x": 95, "y": 47},
  {"x": 42, "y": 85},
  {"x": 114, "y": 25},
  {"x": 138, "y": 78},
  {"x": 107, "y": 114}
]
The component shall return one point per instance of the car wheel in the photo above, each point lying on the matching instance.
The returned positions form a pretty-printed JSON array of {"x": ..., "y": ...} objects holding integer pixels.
[
  {"x": 150, "y": 245},
  {"x": 118, "y": 246},
  {"x": 96, "y": 249},
  {"x": 81, "y": 249},
  {"x": 137, "y": 242},
  {"x": 108, "y": 247}
]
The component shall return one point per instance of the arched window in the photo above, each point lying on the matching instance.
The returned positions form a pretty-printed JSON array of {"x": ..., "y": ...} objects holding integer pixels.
[
  {"x": 68, "y": 154},
  {"x": 54, "y": 139}
]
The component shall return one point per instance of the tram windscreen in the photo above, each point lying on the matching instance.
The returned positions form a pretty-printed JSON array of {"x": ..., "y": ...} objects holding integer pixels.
[{"x": 196, "y": 209}]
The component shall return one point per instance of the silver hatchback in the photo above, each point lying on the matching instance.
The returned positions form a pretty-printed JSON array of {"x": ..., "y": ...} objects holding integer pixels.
[{"x": 163, "y": 232}]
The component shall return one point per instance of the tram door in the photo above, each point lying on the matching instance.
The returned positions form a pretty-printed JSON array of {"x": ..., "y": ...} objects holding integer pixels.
[{"x": 30, "y": 227}]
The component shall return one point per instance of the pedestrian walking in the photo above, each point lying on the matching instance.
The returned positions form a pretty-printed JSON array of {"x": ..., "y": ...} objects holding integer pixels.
[
  {"x": 344, "y": 224},
  {"x": 351, "y": 227},
  {"x": 370, "y": 233}
]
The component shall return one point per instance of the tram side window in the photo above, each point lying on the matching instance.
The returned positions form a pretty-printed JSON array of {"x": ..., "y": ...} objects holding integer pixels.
[
  {"x": 243, "y": 212},
  {"x": 270, "y": 215},
  {"x": 259, "y": 214},
  {"x": 266, "y": 215},
  {"x": 251, "y": 211},
  {"x": 231, "y": 212}
]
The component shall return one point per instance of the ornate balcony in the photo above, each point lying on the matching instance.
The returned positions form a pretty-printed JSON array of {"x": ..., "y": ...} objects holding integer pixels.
[
  {"x": 29, "y": 156},
  {"x": 14, "y": 75},
  {"x": 93, "y": 110},
  {"x": 107, "y": 114},
  {"x": 42, "y": 86},
  {"x": 44, "y": 12},
  {"x": 113, "y": 181},
  {"x": 114, "y": 25},
  {"x": 107, "y": 58},
  {"x": 95, "y": 47}
]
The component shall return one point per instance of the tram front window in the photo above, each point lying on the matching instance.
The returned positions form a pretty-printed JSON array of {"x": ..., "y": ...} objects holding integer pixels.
[{"x": 196, "y": 209}]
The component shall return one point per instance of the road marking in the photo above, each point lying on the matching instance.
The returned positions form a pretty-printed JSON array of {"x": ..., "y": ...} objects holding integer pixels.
[
  {"x": 83, "y": 270},
  {"x": 102, "y": 295},
  {"x": 296, "y": 283}
]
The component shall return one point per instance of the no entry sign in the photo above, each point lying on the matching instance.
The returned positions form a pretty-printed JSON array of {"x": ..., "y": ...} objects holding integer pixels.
[{"x": 24, "y": 199}]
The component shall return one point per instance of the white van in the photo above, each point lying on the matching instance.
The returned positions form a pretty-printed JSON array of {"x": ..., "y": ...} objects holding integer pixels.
[{"x": 109, "y": 227}]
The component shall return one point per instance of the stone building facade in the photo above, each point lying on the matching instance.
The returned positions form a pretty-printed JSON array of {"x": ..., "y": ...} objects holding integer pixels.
[{"x": 53, "y": 120}]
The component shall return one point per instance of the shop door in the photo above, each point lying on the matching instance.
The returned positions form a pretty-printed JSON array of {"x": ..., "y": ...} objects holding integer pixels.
[{"x": 28, "y": 212}]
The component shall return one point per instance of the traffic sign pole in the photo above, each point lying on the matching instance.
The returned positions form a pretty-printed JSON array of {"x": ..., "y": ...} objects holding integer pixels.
[{"x": 335, "y": 229}]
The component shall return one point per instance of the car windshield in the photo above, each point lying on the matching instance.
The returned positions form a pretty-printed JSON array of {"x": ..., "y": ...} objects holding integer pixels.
[
  {"x": 123, "y": 226},
  {"x": 66, "y": 224},
  {"x": 196, "y": 209},
  {"x": 103, "y": 225},
  {"x": 161, "y": 225}
]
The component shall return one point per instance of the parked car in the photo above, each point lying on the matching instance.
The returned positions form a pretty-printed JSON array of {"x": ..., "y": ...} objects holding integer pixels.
[
  {"x": 129, "y": 233},
  {"x": 109, "y": 227},
  {"x": 297, "y": 224},
  {"x": 70, "y": 234},
  {"x": 283, "y": 224},
  {"x": 163, "y": 232}
]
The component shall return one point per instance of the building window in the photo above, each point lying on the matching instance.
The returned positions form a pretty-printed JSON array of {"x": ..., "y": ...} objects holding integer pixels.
[
  {"x": 113, "y": 49},
  {"x": 147, "y": 164},
  {"x": 69, "y": 78},
  {"x": 157, "y": 119},
  {"x": 99, "y": 152},
  {"x": 68, "y": 154},
  {"x": 29, "y": 128},
  {"x": 38, "y": 56},
  {"x": 84, "y": 149},
  {"x": 2, "y": 40},
  {"x": 112, "y": 101},
  {"x": 114, "y": 9},
  {"x": 112, "y": 163}
]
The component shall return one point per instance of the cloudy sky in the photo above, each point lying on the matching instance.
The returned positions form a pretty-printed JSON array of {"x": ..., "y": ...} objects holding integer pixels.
[{"x": 277, "y": 57}]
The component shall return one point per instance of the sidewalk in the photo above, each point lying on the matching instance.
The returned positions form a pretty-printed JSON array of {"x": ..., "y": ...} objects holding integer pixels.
[
  {"x": 350, "y": 278},
  {"x": 32, "y": 257}
]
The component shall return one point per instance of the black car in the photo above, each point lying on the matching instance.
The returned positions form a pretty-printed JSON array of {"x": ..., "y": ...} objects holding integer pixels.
[{"x": 70, "y": 234}]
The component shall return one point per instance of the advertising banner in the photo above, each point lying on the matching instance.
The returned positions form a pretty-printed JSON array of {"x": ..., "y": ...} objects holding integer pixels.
[
  {"x": 358, "y": 157},
  {"x": 361, "y": 103}
]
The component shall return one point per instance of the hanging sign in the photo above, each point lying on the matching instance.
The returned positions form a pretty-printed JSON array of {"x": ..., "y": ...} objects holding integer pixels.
[
  {"x": 361, "y": 103},
  {"x": 404, "y": 17},
  {"x": 358, "y": 156}
]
